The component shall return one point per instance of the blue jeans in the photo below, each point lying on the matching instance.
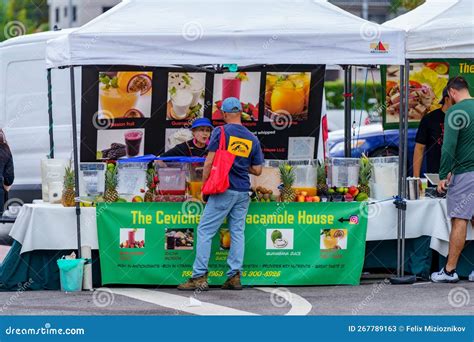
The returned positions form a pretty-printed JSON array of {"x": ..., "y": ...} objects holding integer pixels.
[{"x": 231, "y": 204}]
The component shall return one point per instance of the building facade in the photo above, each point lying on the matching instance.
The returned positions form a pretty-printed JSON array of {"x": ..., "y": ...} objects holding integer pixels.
[
  {"x": 377, "y": 11},
  {"x": 74, "y": 13}
]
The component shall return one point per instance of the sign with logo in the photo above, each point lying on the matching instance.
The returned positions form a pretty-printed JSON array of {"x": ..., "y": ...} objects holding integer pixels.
[
  {"x": 379, "y": 47},
  {"x": 285, "y": 243}
]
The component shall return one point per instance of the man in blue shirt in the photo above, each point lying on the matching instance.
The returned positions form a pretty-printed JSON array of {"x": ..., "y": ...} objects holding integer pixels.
[{"x": 233, "y": 203}]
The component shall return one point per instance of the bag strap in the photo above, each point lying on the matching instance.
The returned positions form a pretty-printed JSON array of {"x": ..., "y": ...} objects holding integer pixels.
[{"x": 222, "y": 140}]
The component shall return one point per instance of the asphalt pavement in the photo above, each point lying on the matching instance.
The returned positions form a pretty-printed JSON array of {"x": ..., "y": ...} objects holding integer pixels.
[{"x": 373, "y": 297}]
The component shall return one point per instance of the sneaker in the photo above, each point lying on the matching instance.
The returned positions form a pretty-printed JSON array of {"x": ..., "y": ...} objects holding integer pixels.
[
  {"x": 233, "y": 283},
  {"x": 471, "y": 276},
  {"x": 193, "y": 284},
  {"x": 443, "y": 277}
]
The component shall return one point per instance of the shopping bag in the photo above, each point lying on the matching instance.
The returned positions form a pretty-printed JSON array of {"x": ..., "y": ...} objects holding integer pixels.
[{"x": 218, "y": 181}]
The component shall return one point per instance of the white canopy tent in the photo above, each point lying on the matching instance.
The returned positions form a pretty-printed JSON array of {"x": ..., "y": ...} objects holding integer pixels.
[
  {"x": 438, "y": 29},
  {"x": 247, "y": 32},
  {"x": 215, "y": 32}
]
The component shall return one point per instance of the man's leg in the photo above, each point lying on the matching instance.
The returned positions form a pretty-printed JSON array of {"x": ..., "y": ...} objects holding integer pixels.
[
  {"x": 237, "y": 217},
  {"x": 457, "y": 237},
  {"x": 216, "y": 210}
]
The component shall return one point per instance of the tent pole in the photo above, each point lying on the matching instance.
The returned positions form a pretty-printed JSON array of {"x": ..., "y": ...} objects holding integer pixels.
[
  {"x": 347, "y": 110},
  {"x": 405, "y": 158},
  {"x": 50, "y": 115},
  {"x": 401, "y": 157},
  {"x": 400, "y": 201},
  {"x": 76, "y": 158}
]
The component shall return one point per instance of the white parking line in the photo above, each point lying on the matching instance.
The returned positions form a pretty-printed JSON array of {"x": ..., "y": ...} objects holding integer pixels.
[
  {"x": 180, "y": 303},
  {"x": 299, "y": 305}
]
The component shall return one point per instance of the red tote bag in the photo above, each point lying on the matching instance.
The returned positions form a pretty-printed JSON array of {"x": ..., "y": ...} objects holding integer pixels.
[{"x": 218, "y": 181}]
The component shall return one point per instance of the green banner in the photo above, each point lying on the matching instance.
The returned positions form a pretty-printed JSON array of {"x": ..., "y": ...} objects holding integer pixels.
[{"x": 286, "y": 243}]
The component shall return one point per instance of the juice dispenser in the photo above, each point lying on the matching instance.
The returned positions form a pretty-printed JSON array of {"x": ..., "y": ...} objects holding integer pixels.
[{"x": 305, "y": 176}]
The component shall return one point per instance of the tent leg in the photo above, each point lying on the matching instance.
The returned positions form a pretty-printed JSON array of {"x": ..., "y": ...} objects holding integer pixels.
[
  {"x": 405, "y": 159},
  {"x": 87, "y": 278},
  {"x": 75, "y": 156},
  {"x": 347, "y": 110},
  {"x": 50, "y": 115},
  {"x": 400, "y": 202}
]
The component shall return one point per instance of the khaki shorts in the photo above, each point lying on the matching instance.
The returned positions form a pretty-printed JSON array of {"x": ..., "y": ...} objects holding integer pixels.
[{"x": 460, "y": 196}]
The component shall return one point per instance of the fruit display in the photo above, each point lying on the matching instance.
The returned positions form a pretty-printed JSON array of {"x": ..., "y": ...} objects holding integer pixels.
[
  {"x": 111, "y": 182},
  {"x": 321, "y": 176},
  {"x": 261, "y": 194},
  {"x": 365, "y": 172},
  {"x": 69, "y": 194},
  {"x": 303, "y": 196},
  {"x": 287, "y": 178},
  {"x": 151, "y": 184}
]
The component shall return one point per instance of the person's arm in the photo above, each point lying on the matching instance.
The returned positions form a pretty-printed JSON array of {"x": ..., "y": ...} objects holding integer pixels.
[
  {"x": 418, "y": 159},
  {"x": 256, "y": 170},
  {"x": 421, "y": 140},
  {"x": 212, "y": 148},
  {"x": 207, "y": 166},
  {"x": 257, "y": 161},
  {"x": 448, "y": 150},
  {"x": 177, "y": 151}
]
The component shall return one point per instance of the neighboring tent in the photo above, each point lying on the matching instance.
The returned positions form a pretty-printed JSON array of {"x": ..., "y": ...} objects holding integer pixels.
[
  {"x": 244, "y": 32},
  {"x": 438, "y": 29}
]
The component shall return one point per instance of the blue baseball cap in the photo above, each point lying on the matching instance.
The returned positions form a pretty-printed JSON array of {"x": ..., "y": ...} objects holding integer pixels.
[
  {"x": 231, "y": 105},
  {"x": 201, "y": 122}
]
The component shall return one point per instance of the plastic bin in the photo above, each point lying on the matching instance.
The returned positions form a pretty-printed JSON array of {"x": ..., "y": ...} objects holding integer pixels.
[
  {"x": 343, "y": 172},
  {"x": 305, "y": 175},
  {"x": 70, "y": 273},
  {"x": 195, "y": 180},
  {"x": 172, "y": 177},
  {"x": 384, "y": 180}
]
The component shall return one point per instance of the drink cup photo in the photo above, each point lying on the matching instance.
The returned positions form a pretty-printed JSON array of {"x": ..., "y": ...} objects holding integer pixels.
[
  {"x": 133, "y": 141},
  {"x": 231, "y": 87},
  {"x": 181, "y": 102}
]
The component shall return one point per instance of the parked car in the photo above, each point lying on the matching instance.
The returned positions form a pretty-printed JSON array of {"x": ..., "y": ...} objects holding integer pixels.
[{"x": 373, "y": 141}]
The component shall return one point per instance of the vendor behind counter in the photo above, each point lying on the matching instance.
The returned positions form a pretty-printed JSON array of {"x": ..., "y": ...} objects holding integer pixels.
[{"x": 201, "y": 130}]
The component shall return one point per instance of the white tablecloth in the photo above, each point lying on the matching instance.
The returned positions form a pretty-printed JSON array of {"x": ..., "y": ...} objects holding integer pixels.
[{"x": 47, "y": 226}]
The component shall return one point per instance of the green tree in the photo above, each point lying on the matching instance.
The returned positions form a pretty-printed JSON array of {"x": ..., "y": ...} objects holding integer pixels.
[
  {"x": 18, "y": 17},
  {"x": 406, "y": 4}
]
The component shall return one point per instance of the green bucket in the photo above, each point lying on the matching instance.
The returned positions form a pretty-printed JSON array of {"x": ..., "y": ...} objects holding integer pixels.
[{"x": 70, "y": 273}]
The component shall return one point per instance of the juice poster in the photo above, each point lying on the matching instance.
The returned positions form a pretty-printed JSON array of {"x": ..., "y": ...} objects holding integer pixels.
[
  {"x": 129, "y": 111},
  {"x": 427, "y": 80}
]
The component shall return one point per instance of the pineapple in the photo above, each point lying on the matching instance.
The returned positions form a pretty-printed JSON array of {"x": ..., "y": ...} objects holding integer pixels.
[
  {"x": 150, "y": 176},
  {"x": 287, "y": 177},
  {"x": 111, "y": 180},
  {"x": 69, "y": 194},
  {"x": 321, "y": 178},
  {"x": 365, "y": 172}
]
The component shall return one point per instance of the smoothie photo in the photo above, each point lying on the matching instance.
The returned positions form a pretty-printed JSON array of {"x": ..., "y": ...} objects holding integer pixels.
[
  {"x": 244, "y": 86},
  {"x": 185, "y": 95},
  {"x": 125, "y": 94}
]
